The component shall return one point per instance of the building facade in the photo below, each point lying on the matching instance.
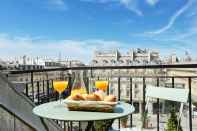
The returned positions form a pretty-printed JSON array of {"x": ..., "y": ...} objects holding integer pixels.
[{"x": 139, "y": 57}]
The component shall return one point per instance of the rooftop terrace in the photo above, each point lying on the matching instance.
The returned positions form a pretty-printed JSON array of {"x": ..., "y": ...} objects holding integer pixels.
[{"x": 40, "y": 90}]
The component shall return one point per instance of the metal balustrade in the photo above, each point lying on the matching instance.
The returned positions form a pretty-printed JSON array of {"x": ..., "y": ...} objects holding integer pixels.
[{"x": 41, "y": 91}]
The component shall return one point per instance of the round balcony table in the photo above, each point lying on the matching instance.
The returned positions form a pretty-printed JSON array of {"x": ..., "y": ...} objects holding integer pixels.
[{"x": 53, "y": 110}]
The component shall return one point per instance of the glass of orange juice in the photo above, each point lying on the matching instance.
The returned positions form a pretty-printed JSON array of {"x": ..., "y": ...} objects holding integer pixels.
[
  {"x": 101, "y": 85},
  {"x": 60, "y": 86}
]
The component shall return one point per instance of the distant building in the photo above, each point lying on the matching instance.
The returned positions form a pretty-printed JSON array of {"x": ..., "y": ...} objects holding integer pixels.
[
  {"x": 3, "y": 65},
  {"x": 139, "y": 57},
  {"x": 27, "y": 63},
  {"x": 63, "y": 63},
  {"x": 132, "y": 57},
  {"x": 30, "y": 63}
]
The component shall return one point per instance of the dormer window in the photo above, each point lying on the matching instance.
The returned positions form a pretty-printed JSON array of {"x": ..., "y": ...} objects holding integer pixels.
[
  {"x": 113, "y": 61},
  {"x": 121, "y": 61},
  {"x": 129, "y": 62},
  {"x": 95, "y": 61},
  {"x": 105, "y": 61}
]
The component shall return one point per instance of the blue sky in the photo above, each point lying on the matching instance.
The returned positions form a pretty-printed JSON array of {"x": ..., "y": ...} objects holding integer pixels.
[{"x": 77, "y": 27}]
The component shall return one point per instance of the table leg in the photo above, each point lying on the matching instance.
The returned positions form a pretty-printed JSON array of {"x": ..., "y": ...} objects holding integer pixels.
[
  {"x": 108, "y": 124},
  {"x": 90, "y": 126},
  {"x": 100, "y": 125}
]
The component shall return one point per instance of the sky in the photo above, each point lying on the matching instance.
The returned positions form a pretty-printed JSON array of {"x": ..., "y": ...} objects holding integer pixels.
[{"x": 76, "y": 28}]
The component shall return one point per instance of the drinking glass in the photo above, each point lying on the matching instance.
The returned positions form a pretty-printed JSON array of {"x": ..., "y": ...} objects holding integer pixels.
[
  {"x": 60, "y": 86},
  {"x": 102, "y": 85}
]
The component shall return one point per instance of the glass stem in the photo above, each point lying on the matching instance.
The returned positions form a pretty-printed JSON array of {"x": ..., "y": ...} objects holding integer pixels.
[{"x": 60, "y": 97}]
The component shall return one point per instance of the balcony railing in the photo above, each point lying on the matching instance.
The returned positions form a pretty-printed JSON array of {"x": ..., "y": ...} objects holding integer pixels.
[{"x": 39, "y": 87}]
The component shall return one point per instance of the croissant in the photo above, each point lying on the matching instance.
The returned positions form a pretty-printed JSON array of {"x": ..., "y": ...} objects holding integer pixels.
[
  {"x": 91, "y": 97},
  {"x": 76, "y": 97},
  {"x": 110, "y": 98},
  {"x": 99, "y": 96},
  {"x": 85, "y": 96}
]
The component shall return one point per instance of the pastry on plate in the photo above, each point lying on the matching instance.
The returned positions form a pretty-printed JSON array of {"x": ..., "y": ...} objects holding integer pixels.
[
  {"x": 91, "y": 97},
  {"x": 99, "y": 96},
  {"x": 76, "y": 97},
  {"x": 84, "y": 96},
  {"x": 110, "y": 98}
]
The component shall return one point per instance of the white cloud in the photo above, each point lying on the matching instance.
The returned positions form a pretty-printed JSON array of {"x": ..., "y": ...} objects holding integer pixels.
[
  {"x": 71, "y": 49},
  {"x": 152, "y": 2},
  {"x": 132, "y": 5},
  {"x": 187, "y": 34},
  {"x": 172, "y": 19}
]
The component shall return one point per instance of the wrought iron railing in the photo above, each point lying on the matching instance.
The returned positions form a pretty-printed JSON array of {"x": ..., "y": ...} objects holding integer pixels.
[{"x": 41, "y": 91}]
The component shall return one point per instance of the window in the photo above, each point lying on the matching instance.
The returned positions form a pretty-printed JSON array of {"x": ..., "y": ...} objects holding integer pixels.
[
  {"x": 28, "y": 67},
  {"x": 136, "y": 86},
  {"x": 121, "y": 61},
  {"x": 155, "y": 108},
  {"x": 136, "y": 105},
  {"x": 21, "y": 79},
  {"x": 125, "y": 78},
  {"x": 113, "y": 61},
  {"x": 105, "y": 61},
  {"x": 95, "y": 61},
  {"x": 129, "y": 62}
]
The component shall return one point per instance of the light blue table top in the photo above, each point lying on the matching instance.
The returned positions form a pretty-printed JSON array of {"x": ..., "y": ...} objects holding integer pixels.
[{"x": 53, "y": 110}]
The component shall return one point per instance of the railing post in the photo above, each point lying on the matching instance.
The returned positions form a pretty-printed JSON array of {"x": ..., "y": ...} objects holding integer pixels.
[
  {"x": 131, "y": 99},
  {"x": 26, "y": 90},
  {"x": 158, "y": 107},
  {"x": 144, "y": 97},
  {"x": 87, "y": 84},
  {"x": 64, "y": 126},
  {"x": 71, "y": 125},
  {"x": 190, "y": 104},
  {"x": 119, "y": 98},
  {"x": 48, "y": 90},
  {"x": 38, "y": 92},
  {"x": 173, "y": 106},
  {"x": 91, "y": 74},
  {"x": 43, "y": 88},
  {"x": 54, "y": 92},
  {"x": 70, "y": 83},
  {"x": 79, "y": 126},
  {"x": 172, "y": 82},
  {"x": 7, "y": 75},
  {"x": 119, "y": 89},
  {"x": 32, "y": 85},
  {"x": 108, "y": 86}
]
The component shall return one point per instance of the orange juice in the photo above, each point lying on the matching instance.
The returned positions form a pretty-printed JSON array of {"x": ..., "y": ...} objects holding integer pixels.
[
  {"x": 101, "y": 85},
  {"x": 60, "y": 86},
  {"x": 81, "y": 90}
]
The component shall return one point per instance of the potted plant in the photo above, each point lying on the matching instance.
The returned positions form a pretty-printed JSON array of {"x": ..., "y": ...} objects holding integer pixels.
[
  {"x": 172, "y": 123},
  {"x": 145, "y": 119}
]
